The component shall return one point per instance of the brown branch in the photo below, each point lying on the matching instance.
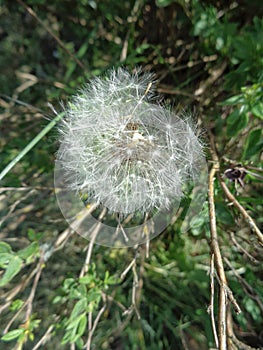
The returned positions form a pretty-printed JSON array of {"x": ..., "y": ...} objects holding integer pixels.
[
  {"x": 212, "y": 291},
  {"x": 242, "y": 210},
  {"x": 247, "y": 287},
  {"x": 54, "y": 36},
  {"x": 215, "y": 73},
  {"x": 225, "y": 292},
  {"x": 235, "y": 343},
  {"x": 9, "y": 296},
  {"x": 46, "y": 336},
  {"x": 254, "y": 260},
  {"x": 215, "y": 249},
  {"x": 135, "y": 285},
  {"x": 31, "y": 297},
  {"x": 133, "y": 17},
  {"x": 29, "y": 302},
  {"x": 96, "y": 230},
  {"x": 120, "y": 328},
  {"x": 87, "y": 346},
  {"x": 183, "y": 339}
]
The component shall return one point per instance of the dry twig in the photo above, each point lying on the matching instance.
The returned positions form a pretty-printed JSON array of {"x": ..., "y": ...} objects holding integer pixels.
[
  {"x": 247, "y": 287},
  {"x": 45, "y": 337},
  {"x": 225, "y": 292},
  {"x": 233, "y": 342},
  {"x": 243, "y": 211},
  {"x": 212, "y": 290},
  {"x": 131, "y": 19},
  {"x": 215, "y": 249},
  {"x": 87, "y": 346},
  {"x": 29, "y": 302},
  {"x": 60, "y": 43},
  {"x": 242, "y": 249}
]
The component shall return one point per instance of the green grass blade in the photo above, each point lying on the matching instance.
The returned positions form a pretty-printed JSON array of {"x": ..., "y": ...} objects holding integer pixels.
[{"x": 31, "y": 145}]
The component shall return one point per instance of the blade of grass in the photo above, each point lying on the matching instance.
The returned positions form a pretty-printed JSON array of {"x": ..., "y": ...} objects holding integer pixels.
[{"x": 31, "y": 145}]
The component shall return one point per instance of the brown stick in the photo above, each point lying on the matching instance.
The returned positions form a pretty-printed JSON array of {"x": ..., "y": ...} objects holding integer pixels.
[
  {"x": 243, "y": 211},
  {"x": 54, "y": 36},
  {"x": 222, "y": 303},
  {"x": 212, "y": 294}
]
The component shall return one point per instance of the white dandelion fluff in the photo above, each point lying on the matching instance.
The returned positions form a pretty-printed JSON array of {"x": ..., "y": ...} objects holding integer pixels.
[{"x": 122, "y": 149}]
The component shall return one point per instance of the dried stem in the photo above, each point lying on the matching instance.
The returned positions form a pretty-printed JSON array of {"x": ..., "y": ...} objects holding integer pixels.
[
  {"x": 225, "y": 292},
  {"x": 134, "y": 291},
  {"x": 243, "y": 211},
  {"x": 8, "y": 297},
  {"x": 212, "y": 289},
  {"x": 215, "y": 250},
  {"x": 31, "y": 297},
  {"x": 247, "y": 287},
  {"x": 55, "y": 37},
  {"x": 87, "y": 346},
  {"x": 233, "y": 342},
  {"x": 133, "y": 17},
  {"x": 45, "y": 337},
  {"x": 95, "y": 232},
  {"x": 242, "y": 249}
]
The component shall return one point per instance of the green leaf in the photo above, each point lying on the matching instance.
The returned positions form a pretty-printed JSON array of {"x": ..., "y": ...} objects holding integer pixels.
[
  {"x": 13, "y": 267},
  {"x": 164, "y": 3},
  {"x": 5, "y": 248},
  {"x": 257, "y": 110},
  {"x": 13, "y": 334},
  {"x": 236, "y": 121},
  {"x": 82, "y": 325},
  {"x": 223, "y": 214},
  {"x": 79, "y": 307},
  {"x": 250, "y": 200},
  {"x": 57, "y": 299},
  {"x": 107, "y": 275},
  {"x": 80, "y": 343},
  {"x": 140, "y": 49},
  {"x": 71, "y": 68},
  {"x": 4, "y": 259},
  {"x": 253, "y": 144},
  {"x": 83, "y": 49},
  {"x": 78, "y": 292},
  {"x": 68, "y": 283},
  {"x": 196, "y": 224},
  {"x": 73, "y": 324},
  {"x": 234, "y": 100},
  {"x": 33, "y": 236},
  {"x": 69, "y": 336},
  {"x": 30, "y": 251},
  {"x": 94, "y": 295},
  {"x": 86, "y": 279},
  {"x": 16, "y": 304}
]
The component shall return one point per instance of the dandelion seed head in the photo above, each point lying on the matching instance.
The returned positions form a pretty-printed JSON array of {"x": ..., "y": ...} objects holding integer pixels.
[{"x": 122, "y": 149}]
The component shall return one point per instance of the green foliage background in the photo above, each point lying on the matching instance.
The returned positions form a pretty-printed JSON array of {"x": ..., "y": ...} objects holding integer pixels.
[{"x": 208, "y": 58}]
